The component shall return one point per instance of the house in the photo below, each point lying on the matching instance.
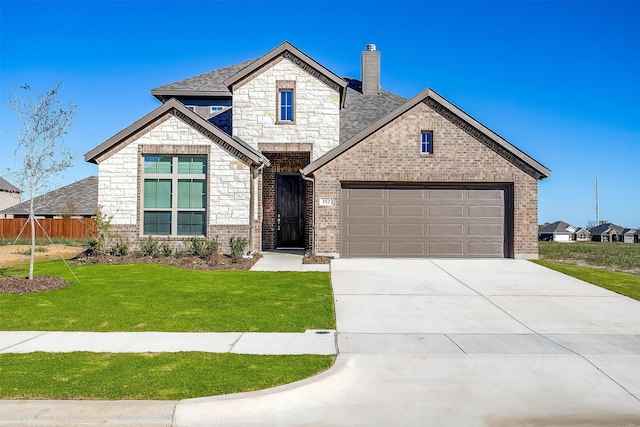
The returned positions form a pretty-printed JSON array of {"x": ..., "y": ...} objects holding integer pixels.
[
  {"x": 606, "y": 232},
  {"x": 583, "y": 235},
  {"x": 628, "y": 235},
  {"x": 283, "y": 151},
  {"x": 558, "y": 231},
  {"x": 9, "y": 195},
  {"x": 79, "y": 199}
]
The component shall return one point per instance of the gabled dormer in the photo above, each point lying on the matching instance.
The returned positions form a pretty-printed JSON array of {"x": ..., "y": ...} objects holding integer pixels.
[{"x": 286, "y": 98}]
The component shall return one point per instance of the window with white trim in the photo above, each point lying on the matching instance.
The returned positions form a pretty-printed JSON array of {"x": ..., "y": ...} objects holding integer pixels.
[
  {"x": 174, "y": 195},
  {"x": 426, "y": 142}
]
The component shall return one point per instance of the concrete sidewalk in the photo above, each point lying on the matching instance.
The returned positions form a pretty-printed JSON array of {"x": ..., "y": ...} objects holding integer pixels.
[
  {"x": 286, "y": 260},
  {"x": 309, "y": 342}
]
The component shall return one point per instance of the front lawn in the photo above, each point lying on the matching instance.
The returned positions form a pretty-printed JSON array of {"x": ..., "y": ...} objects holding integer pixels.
[
  {"x": 622, "y": 283},
  {"x": 151, "y": 297},
  {"x": 155, "y": 376}
]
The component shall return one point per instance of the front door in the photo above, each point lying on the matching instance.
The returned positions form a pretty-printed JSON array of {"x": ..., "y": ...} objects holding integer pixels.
[{"x": 290, "y": 211}]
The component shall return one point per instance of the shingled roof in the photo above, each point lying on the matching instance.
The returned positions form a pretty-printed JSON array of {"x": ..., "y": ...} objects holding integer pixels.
[
  {"x": 207, "y": 84},
  {"x": 556, "y": 227},
  {"x": 7, "y": 187},
  {"x": 83, "y": 195}
]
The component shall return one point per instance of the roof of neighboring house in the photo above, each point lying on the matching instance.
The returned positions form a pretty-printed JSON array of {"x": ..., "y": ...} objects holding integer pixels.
[
  {"x": 582, "y": 230},
  {"x": 7, "y": 187},
  {"x": 235, "y": 146},
  {"x": 629, "y": 231},
  {"x": 502, "y": 146},
  {"x": 605, "y": 228},
  {"x": 556, "y": 227},
  {"x": 83, "y": 195}
]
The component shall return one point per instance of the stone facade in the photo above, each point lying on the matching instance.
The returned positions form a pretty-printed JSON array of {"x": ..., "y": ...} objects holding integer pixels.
[
  {"x": 228, "y": 178},
  {"x": 316, "y": 105},
  {"x": 392, "y": 154}
]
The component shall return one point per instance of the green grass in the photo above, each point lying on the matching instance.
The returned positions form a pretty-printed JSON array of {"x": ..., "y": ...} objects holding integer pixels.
[
  {"x": 150, "y": 297},
  {"x": 612, "y": 255},
  {"x": 156, "y": 376},
  {"x": 622, "y": 283}
]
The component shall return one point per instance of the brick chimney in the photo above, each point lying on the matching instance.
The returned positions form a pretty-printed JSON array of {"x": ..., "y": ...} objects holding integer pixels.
[{"x": 370, "y": 71}]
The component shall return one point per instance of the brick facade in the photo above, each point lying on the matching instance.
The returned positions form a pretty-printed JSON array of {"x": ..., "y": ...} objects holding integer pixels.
[
  {"x": 284, "y": 162},
  {"x": 392, "y": 154}
]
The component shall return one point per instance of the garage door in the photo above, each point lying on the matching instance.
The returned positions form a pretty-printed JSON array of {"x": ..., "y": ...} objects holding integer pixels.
[{"x": 410, "y": 221}]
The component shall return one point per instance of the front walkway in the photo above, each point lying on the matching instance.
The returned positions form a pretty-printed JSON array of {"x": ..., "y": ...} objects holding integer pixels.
[{"x": 286, "y": 260}]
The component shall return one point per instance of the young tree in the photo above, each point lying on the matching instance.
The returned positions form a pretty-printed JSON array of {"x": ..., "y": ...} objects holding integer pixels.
[{"x": 44, "y": 121}]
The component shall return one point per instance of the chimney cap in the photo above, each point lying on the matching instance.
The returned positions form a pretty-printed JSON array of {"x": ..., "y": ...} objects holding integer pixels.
[{"x": 370, "y": 47}]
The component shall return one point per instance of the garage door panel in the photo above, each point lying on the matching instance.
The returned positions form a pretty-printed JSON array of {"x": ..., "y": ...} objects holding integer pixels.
[
  {"x": 392, "y": 221},
  {"x": 365, "y": 230},
  {"x": 446, "y": 229},
  {"x": 406, "y": 230},
  {"x": 405, "y": 248},
  {"x": 442, "y": 193},
  {"x": 485, "y": 230},
  {"x": 486, "y": 193},
  {"x": 365, "y": 192},
  {"x": 406, "y": 193},
  {"x": 446, "y": 248},
  {"x": 366, "y": 210},
  {"x": 368, "y": 248},
  {"x": 485, "y": 249},
  {"x": 406, "y": 211},
  {"x": 485, "y": 211},
  {"x": 446, "y": 211}
]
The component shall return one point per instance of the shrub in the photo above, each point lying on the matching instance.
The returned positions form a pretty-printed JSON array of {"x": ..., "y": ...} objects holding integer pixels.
[
  {"x": 166, "y": 249},
  {"x": 149, "y": 247},
  {"x": 201, "y": 247},
  {"x": 120, "y": 248},
  {"x": 238, "y": 246}
]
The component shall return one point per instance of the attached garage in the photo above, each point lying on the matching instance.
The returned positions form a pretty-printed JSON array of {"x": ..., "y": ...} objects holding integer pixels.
[{"x": 409, "y": 220}]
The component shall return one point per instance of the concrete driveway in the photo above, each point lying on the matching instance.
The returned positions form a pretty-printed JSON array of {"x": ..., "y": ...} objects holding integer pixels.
[{"x": 458, "y": 343}]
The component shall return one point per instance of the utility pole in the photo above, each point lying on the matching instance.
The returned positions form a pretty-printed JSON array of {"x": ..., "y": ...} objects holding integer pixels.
[{"x": 597, "y": 213}]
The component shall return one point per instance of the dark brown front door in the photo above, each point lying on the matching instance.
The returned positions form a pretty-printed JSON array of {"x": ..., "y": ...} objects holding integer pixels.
[{"x": 290, "y": 211}]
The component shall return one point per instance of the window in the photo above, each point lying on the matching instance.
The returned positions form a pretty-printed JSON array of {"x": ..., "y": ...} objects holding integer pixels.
[
  {"x": 191, "y": 108},
  {"x": 286, "y": 101},
  {"x": 286, "y": 105},
  {"x": 426, "y": 142},
  {"x": 216, "y": 108},
  {"x": 174, "y": 195}
]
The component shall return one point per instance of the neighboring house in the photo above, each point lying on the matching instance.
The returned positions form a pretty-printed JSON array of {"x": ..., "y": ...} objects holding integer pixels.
[
  {"x": 285, "y": 152},
  {"x": 628, "y": 235},
  {"x": 79, "y": 199},
  {"x": 637, "y": 236},
  {"x": 606, "y": 232},
  {"x": 9, "y": 195},
  {"x": 558, "y": 231},
  {"x": 583, "y": 235}
]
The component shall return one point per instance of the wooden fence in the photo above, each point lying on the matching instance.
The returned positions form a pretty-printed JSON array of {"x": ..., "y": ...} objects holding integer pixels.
[{"x": 72, "y": 228}]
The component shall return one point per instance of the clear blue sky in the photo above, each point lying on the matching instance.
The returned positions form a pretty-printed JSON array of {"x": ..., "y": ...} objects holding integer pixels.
[{"x": 560, "y": 80}]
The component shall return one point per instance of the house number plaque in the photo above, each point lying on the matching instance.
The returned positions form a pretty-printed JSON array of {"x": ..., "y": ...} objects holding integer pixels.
[{"x": 326, "y": 201}]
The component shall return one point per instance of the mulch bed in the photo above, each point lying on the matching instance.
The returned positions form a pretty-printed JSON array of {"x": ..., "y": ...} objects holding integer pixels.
[{"x": 20, "y": 285}]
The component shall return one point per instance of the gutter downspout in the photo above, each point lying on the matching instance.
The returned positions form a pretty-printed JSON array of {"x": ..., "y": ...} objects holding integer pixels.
[
  {"x": 252, "y": 191},
  {"x": 313, "y": 211}
]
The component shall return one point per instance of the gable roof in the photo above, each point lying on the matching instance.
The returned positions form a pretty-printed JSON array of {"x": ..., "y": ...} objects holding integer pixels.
[
  {"x": 82, "y": 194},
  {"x": 287, "y": 50},
  {"x": 206, "y": 84},
  {"x": 556, "y": 227},
  {"x": 500, "y": 145},
  {"x": 233, "y": 145},
  {"x": 7, "y": 187}
]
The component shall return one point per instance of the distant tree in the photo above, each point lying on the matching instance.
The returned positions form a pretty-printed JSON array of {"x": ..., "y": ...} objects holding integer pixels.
[
  {"x": 44, "y": 121},
  {"x": 590, "y": 224},
  {"x": 68, "y": 210},
  {"x": 541, "y": 226}
]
